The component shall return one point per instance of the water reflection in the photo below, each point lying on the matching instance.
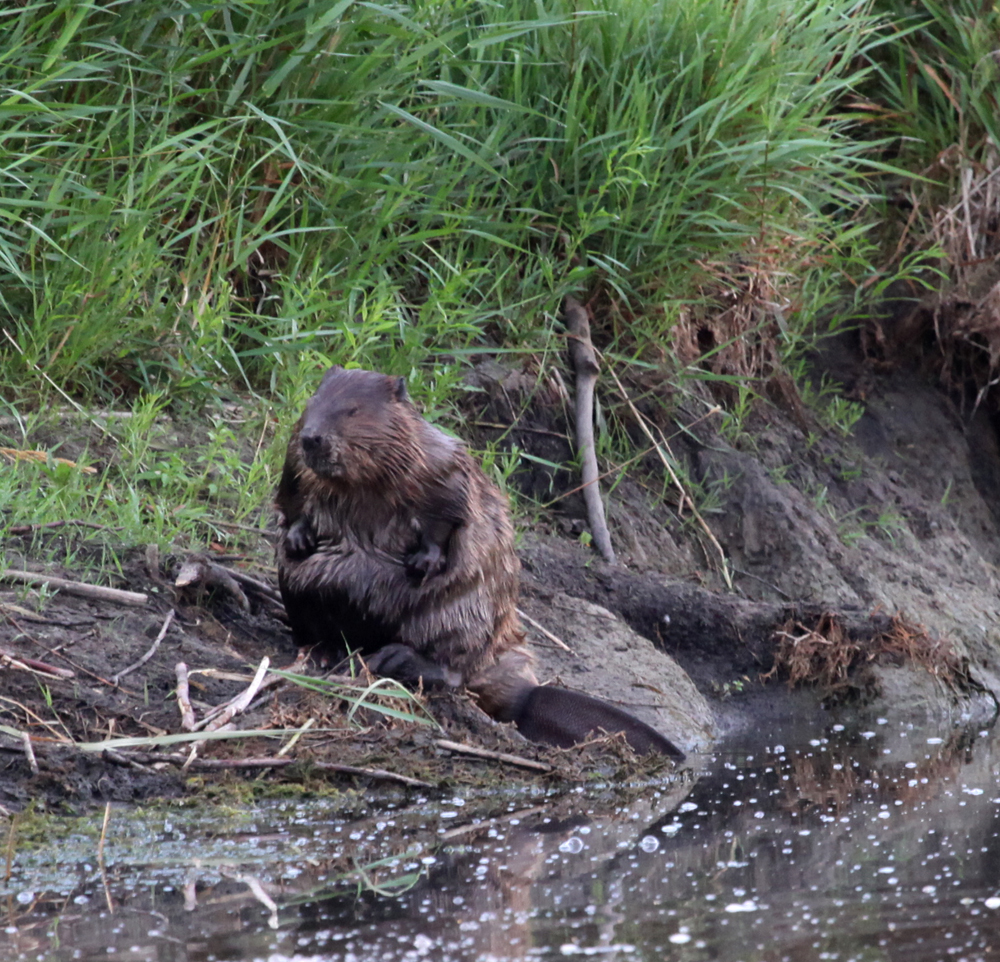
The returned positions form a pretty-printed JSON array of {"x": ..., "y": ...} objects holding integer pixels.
[{"x": 875, "y": 843}]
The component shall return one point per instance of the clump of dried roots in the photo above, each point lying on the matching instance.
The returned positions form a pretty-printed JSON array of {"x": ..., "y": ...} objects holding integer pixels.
[{"x": 826, "y": 655}]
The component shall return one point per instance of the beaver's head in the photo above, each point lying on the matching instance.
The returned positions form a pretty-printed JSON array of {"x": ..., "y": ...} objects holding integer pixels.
[{"x": 357, "y": 427}]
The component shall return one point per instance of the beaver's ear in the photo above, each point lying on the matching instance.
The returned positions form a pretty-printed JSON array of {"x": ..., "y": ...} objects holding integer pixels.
[
  {"x": 399, "y": 389},
  {"x": 332, "y": 373}
]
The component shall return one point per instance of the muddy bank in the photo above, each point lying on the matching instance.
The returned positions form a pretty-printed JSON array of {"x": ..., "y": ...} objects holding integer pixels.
[
  {"x": 96, "y": 686},
  {"x": 862, "y": 570}
]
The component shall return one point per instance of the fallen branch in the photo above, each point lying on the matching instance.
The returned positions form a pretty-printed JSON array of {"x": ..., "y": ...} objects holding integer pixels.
[
  {"x": 201, "y": 571},
  {"x": 379, "y": 773},
  {"x": 29, "y": 752},
  {"x": 184, "y": 697},
  {"x": 93, "y": 592},
  {"x": 585, "y": 362},
  {"x": 493, "y": 756},
  {"x": 222, "y": 764},
  {"x": 239, "y": 704},
  {"x": 32, "y": 665},
  {"x": 149, "y": 654}
]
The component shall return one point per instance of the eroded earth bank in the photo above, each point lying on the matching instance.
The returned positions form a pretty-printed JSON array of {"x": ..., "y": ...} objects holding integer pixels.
[{"x": 862, "y": 568}]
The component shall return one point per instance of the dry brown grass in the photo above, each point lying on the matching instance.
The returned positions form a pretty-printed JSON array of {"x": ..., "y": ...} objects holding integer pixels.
[
  {"x": 957, "y": 327},
  {"x": 735, "y": 330}
]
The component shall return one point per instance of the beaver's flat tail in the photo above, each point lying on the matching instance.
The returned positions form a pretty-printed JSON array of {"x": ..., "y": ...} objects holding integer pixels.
[{"x": 562, "y": 717}]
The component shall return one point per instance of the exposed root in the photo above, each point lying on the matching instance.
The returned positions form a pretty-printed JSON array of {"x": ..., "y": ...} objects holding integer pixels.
[{"x": 826, "y": 655}]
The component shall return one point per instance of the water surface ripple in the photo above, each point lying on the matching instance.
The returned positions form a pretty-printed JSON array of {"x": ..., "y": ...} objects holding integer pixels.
[{"x": 859, "y": 843}]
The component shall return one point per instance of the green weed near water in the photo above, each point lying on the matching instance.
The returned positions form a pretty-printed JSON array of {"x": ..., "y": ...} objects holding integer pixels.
[{"x": 211, "y": 203}]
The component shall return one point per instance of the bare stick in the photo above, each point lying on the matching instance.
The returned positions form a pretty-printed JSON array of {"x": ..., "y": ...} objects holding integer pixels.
[
  {"x": 198, "y": 570},
  {"x": 239, "y": 704},
  {"x": 585, "y": 362},
  {"x": 149, "y": 654},
  {"x": 558, "y": 642},
  {"x": 226, "y": 764},
  {"x": 29, "y": 752},
  {"x": 492, "y": 756},
  {"x": 212, "y": 764},
  {"x": 184, "y": 697},
  {"x": 94, "y": 592},
  {"x": 31, "y": 664},
  {"x": 379, "y": 773},
  {"x": 255, "y": 584},
  {"x": 257, "y": 890}
]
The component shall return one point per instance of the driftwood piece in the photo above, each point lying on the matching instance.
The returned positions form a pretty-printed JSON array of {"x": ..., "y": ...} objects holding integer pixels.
[
  {"x": 93, "y": 592},
  {"x": 585, "y": 364},
  {"x": 200, "y": 571}
]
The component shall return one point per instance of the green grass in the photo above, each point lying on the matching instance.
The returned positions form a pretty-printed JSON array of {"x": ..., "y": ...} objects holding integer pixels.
[{"x": 205, "y": 203}]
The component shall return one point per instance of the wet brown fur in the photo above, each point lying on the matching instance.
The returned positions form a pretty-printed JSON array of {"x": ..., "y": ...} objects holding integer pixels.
[
  {"x": 383, "y": 476},
  {"x": 396, "y": 545}
]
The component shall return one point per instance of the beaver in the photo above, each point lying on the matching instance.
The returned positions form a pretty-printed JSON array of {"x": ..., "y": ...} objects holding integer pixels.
[{"x": 396, "y": 546}]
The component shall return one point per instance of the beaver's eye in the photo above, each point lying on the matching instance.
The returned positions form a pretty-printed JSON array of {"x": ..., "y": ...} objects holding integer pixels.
[{"x": 352, "y": 412}]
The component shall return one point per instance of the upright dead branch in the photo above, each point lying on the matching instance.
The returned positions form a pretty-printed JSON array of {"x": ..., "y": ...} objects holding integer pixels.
[{"x": 585, "y": 363}]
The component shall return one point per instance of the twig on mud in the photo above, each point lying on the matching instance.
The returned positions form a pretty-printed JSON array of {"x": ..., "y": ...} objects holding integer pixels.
[
  {"x": 35, "y": 667},
  {"x": 61, "y": 738},
  {"x": 261, "y": 587},
  {"x": 585, "y": 362},
  {"x": 379, "y": 773},
  {"x": 117, "y": 758},
  {"x": 29, "y": 752},
  {"x": 558, "y": 642},
  {"x": 774, "y": 588},
  {"x": 222, "y": 764},
  {"x": 149, "y": 654},
  {"x": 239, "y": 704},
  {"x": 660, "y": 446},
  {"x": 184, "y": 697},
  {"x": 93, "y": 592},
  {"x": 477, "y": 752},
  {"x": 192, "y": 756},
  {"x": 199, "y": 570}
]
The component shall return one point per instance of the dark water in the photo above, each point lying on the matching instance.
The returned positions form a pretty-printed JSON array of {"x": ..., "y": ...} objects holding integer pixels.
[{"x": 867, "y": 844}]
